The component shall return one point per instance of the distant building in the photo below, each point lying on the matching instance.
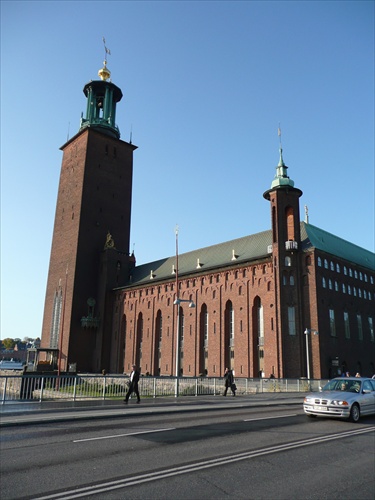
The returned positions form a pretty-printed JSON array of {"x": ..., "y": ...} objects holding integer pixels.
[{"x": 292, "y": 301}]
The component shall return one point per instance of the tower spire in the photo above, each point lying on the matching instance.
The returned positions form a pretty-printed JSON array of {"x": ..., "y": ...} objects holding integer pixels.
[
  {"x": 281, "y": 161},
  {"x": 281, "y": 177}
]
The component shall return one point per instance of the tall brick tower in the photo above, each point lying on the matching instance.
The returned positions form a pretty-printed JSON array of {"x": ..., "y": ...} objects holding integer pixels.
[
  {"x": 286, "y": 248},
  {"x": 90, "y": 245}
]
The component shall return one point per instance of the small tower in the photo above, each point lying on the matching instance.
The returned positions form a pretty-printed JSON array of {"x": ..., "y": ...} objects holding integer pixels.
[
  {"x": 286, "y": 247},
  {"x": 90, "y": 244},
  {"x": 102, "y": 97}
]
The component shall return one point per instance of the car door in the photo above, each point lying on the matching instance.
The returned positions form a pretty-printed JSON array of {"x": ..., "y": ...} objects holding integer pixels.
[{"x": 367, "y": 398}]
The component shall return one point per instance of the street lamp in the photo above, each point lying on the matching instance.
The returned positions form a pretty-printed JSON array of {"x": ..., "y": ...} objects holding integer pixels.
[
  {"x": 177, "y": 303},
  {"x": 307, "y": 333}
]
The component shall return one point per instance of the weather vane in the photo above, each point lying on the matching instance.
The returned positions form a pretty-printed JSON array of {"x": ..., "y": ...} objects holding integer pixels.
[
  {"x": 279, "y": 134},
  {"x": 106, "y": 51}
]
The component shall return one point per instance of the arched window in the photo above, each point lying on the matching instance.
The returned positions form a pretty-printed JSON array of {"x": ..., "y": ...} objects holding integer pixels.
[
  {"x": 231, "y": 324},
  {"x": 203, "y": 362},
  {"x": 139, "y": 341},
  {"x": 290, "y": 223},
  {"x": 229, "y": 335},
  {"x": 158, "y": 343}
]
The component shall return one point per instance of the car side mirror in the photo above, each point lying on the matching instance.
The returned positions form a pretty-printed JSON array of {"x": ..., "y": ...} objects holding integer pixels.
[{"x": 366, "y": 391}]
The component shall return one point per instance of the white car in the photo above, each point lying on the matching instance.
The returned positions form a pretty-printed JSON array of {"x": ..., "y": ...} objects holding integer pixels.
[{"x": 343, "y": 397}]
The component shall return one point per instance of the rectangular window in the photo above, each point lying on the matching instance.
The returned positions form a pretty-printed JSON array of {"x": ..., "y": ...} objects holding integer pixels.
[
  {"x": 292, "y": 320},
  {"x": 56, "y": 317},
  {"x": 371, "y": 327},
  {"x": 332, "y": 324},
  {"x": 359, "y": 324},
  {"x": 205, "y": 329},
  {"x": 346, "y": 325},
  {"x": 231, "y": 327},
  {"x": 261, "y": 323}
]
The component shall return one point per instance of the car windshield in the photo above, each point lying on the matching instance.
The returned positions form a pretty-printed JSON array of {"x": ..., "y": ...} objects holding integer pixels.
[{"x": 343, "y": 385}]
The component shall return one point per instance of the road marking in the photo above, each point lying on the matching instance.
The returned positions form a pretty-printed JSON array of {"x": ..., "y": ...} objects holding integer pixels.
[
  {"x": 198, "y": 466},
  {"x": 268, "y": 418},
  {"x": 124, "y": 435}
]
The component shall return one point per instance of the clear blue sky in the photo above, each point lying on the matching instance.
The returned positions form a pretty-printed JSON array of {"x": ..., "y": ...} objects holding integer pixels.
[{"x": 205, "y": 87}]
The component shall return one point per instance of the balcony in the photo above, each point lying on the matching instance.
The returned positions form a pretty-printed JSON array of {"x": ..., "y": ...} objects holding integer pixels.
[{"x": 90, "y": 322}]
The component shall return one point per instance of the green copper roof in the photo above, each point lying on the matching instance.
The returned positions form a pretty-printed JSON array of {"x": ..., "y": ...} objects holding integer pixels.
[
  {"x": 315, "y": 237},
  {"x": 281, "y": 177},
  {"x": 229, "y": 253},
  {"x": 245, "y": 250}
]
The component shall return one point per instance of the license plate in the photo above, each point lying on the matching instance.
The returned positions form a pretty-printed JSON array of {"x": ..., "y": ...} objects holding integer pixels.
[{"x": 320, "y": 408}]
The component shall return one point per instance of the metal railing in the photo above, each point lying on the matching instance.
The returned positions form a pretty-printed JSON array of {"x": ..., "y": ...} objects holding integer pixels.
[{"x": 30, "y": 387}]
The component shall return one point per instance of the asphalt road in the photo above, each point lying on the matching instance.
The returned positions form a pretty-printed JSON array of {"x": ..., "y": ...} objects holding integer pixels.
[{"x": 227, "y": 448}]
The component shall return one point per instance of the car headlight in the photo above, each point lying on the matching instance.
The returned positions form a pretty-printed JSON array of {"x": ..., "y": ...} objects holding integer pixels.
[
  {"x": 308, "y": 400},
  {"x": 338, "y": 402}
]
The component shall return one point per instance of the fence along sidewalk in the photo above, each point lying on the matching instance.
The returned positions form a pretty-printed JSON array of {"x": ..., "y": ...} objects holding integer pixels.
[{"x": 32, "y": 387}]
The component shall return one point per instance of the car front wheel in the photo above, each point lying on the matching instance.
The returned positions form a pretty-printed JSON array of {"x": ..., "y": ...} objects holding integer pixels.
[{"x": 354, "y": 413}]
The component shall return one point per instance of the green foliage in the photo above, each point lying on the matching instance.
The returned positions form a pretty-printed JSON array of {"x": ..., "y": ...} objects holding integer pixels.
[{"x": 9, "y": 343}]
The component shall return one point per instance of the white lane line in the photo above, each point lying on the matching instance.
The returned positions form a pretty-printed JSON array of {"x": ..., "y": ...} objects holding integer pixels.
[
  {"x": 198, "y": 466},
  {"x": 123, "y": 435},
  {"x": 268, "y": 418}
]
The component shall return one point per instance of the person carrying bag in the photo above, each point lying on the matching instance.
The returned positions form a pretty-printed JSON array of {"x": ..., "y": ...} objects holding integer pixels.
[{"x": 229, "y": 382}]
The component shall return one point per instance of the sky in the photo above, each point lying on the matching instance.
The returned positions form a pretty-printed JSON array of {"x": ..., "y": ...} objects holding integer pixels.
[{"x": 206, "y": 86}]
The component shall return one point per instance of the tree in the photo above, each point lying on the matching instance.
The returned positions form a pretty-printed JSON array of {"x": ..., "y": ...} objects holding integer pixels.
[{"x": 9, "y": 343}]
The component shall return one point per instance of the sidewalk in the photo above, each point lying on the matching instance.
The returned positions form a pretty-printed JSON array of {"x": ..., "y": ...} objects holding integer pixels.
[{"x": 22, "y": 413}]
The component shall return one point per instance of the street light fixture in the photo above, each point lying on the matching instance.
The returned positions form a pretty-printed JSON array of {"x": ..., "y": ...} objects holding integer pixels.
[
  {"x": 307, "y": 332},
  {"x": 177, "y": 303}
]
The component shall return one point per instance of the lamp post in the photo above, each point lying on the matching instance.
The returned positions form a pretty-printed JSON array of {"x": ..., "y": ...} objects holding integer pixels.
[
  {"x": 177, "y": 303},
  {"x": 307, "y": 333}
]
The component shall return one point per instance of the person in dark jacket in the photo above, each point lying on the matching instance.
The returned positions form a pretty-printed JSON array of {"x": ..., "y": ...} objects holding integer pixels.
[
  {"x": 229, "y": 381},
  {"x": 133, "y": 386}
]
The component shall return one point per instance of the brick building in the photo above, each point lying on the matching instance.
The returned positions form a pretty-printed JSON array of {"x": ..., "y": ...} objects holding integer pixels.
[{"x": 291, "y": 301}]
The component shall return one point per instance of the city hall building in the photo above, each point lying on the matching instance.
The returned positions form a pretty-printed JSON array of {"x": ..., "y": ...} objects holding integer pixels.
[{"x": 291, "y": 301}]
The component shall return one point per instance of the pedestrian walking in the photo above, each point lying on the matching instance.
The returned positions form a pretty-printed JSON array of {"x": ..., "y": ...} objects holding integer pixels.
[
  {"x": 133, "y": 386},
  {"x": 229, "y": 382}
]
